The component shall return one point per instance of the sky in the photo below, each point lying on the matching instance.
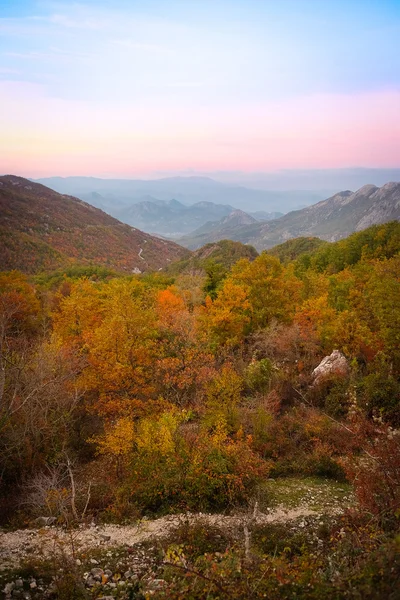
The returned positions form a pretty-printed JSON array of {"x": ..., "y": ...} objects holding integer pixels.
[{"x": 128, "y": 88}]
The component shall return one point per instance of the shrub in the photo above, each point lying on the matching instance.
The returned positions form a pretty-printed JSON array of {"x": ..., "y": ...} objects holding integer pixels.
[
  {"x": 197, "y": 469},
  {"x": 376, "y": 472},
  {"x": 258, "y": 375},
  {"x": 380, "y": 395}
]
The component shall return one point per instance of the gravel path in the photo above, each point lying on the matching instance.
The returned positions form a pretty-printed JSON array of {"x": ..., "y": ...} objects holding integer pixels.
[{"x": 15, "y": 546}]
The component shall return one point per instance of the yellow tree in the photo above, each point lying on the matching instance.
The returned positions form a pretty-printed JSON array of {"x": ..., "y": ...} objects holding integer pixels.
[
  {"x": 113, "y": 326},
  {"x": 273, "y": 290},
  {"x": 225, "y": 321}
]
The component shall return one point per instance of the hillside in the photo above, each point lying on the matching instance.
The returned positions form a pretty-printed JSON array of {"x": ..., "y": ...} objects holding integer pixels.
[
  {"x": 43, "y": 230},
  {"x": 330, "y": 220},
  {"x": 292, "y": 249},
  {"x": 224, "y": 253}
]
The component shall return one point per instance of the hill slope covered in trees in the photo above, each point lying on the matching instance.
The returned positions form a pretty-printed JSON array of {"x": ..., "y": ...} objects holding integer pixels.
[{"x": 43, "y": 230}]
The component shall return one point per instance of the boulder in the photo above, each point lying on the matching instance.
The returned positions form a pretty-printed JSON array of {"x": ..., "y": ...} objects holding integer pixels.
[
  {"x": 45, "y": 521},
  {"x": 334, "y": 364}
]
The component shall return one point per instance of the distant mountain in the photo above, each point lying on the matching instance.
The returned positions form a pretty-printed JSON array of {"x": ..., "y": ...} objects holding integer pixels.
[
  {"x": 330, "y": 219},
  {"x": 213, "y": 231},
  {"x": 170, "y": 217},
  {"x": 114, "y": 194},
  {"x": 43, "y": 230},
  {"x": 262, "y": 215},
  {"x": 308, "y": 181}
]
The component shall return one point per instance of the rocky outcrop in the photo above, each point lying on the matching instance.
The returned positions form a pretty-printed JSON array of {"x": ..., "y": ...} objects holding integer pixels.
[
  {"x": 334, "y": 364},
  {"x": 330, "y": 220}
]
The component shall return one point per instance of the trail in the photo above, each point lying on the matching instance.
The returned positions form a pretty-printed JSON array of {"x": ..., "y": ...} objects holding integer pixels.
[
  {"x": 17, "y": 545},
  {"x": 140, "y": 253}
]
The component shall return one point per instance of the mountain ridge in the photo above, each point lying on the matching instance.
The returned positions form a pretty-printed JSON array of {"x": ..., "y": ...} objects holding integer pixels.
[
  {"x": 41, "y": 229},
  {"x": 330, "y": 219}
]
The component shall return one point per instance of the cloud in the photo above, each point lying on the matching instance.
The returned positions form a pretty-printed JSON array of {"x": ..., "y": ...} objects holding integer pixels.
[{"x": 71, "y": 23}]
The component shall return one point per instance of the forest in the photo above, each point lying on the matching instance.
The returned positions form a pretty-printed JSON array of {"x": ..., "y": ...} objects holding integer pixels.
[{"x": 189, "y": 391}]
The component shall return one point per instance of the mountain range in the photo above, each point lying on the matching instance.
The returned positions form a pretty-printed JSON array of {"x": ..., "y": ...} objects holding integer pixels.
[
  {"x": 330, "y": 220},
  {"x": 171, "y": 218},
  {"x": 115, "y": 195},
  {"x": 41, "y": 229}
]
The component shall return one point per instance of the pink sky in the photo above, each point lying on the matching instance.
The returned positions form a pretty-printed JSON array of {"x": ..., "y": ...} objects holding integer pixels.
[{"x": 54, "y": 136}]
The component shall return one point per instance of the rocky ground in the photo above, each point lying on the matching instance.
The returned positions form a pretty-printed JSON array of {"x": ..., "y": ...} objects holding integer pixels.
[{"x": 109, "y": 560}]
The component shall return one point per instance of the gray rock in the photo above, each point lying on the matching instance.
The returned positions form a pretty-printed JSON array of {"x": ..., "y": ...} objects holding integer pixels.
[
  {"x": 105, "y": 538},
  {"x": 45, "y": 521},
  {"x": 156, "y": 584},
  {"x": 90, "y": 581},
  {"x": 96, "y": 572},
  {"x": 334, "y": 364}
]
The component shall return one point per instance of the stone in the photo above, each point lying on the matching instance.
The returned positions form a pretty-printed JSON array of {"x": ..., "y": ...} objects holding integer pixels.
[
  {"x": 97, "y": 573},
  {"x": 90, "y": 581},
  {"x": 45, "y": 521},
  {"x": 334, "y": 364},
  {"x": 8, "y": 588},
  {"x": 105, "y": 538},
  {"x": 156, "y": 584}
]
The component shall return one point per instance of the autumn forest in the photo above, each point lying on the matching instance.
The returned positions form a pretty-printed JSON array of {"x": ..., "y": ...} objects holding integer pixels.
[{"x": 189, "y": 390}]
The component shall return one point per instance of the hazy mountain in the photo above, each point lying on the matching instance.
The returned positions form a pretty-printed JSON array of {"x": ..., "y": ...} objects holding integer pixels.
[
  {"x": 330, "y": 220},
  {"x": 41, "y": 229},
  {"x": 213, "y": 231},
  {"x": 307, "y": 181},
  {"x": 262, "y": 215},
  {"x": 113, "y": 194},
  {"x": 170, "y": 217}
]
